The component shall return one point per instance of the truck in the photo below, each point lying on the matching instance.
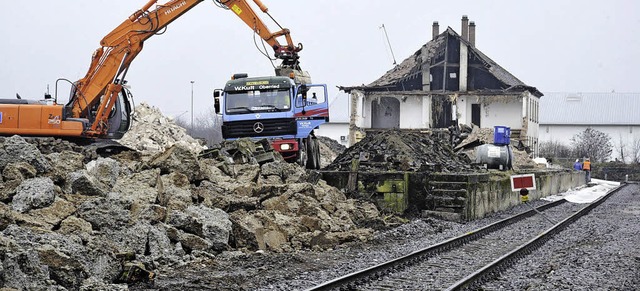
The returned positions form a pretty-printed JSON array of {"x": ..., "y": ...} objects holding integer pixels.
[
  {"x": 100, "y": 105},
  {"x": 282, "y": 109}
]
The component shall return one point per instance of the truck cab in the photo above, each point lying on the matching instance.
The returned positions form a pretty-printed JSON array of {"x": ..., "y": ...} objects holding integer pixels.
[{"x": 275, "y": 108}]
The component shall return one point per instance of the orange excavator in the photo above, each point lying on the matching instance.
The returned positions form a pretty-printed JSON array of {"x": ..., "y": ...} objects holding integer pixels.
[{"x": 100, "y": 105}]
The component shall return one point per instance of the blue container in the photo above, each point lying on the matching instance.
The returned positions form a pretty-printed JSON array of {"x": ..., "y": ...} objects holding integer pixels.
[{"x": 501, "y": 135}]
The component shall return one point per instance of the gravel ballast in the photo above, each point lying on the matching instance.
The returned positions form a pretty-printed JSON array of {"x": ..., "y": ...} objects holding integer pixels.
[{"x": 597, "y": 252}]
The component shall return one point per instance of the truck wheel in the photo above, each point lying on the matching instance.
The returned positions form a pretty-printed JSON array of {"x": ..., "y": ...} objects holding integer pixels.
[
  {"x": 317, "y": 154},
  {"x": 302, "y": 156},
  {"x": 312, "y": 162}
]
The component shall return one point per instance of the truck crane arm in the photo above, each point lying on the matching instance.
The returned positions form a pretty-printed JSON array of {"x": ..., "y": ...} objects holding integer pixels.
[
  {"x": 98, "y": 90},
  {"x": 287, "y": 53}
]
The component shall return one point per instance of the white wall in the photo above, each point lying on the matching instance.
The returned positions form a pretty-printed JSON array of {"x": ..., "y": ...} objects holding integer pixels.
[
  {"x": 508, "y": 114},
  {"x": 531, "y": 111},
  {"x": 619, "y": 134},
  {"x": 414, "y": 111},
  {"x": 411, "y": 115},
  {"x": 495, "y": 110},
  {"x": 336, "y": 131}
]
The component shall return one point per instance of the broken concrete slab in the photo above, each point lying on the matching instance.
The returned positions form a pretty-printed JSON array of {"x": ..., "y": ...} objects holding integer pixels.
[{"x": 34, "y": 193}]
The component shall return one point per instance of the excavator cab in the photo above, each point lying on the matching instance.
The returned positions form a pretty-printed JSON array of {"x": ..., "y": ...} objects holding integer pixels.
[
  {"x": 121, "y": 114},
  {"x": 119, "y": 118}
]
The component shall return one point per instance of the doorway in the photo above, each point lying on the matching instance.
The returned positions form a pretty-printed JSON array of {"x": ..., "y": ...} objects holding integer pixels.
[
  {"x": 475, "y": 114},
  {"x": 385, "y": 113}
]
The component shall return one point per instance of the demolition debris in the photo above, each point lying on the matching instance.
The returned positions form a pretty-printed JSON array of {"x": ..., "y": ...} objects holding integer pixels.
[
  {"x": 67, "y": 215},
  {"x": 398, "y": 150}
]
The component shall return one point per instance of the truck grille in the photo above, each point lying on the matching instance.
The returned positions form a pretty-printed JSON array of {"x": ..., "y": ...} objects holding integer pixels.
[{"x": 271, "y": 127}]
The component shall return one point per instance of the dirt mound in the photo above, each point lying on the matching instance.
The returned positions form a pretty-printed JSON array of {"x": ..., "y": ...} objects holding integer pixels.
[{"x": 395, "y": 150}]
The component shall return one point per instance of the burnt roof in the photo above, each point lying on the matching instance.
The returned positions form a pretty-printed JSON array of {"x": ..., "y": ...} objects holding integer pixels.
[{"x": 422, "y": 57}]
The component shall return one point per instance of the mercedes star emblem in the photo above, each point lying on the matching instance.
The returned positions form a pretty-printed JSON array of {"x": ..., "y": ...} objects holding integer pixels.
[{"x": 258, "y": 127}]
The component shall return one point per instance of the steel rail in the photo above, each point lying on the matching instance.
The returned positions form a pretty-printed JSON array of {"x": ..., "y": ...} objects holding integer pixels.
[
  {"x": 490, "y": 270},
  {"x": 377, "y": 271}
]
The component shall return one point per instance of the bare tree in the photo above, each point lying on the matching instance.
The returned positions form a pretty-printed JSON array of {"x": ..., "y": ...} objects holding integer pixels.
[
  {"x": 593, "y": 144},
  {"x": 621, "y": 148},
  {"x": 554, "y": 149},
  {"x": 635, "y": 151},
  {"x": 206, "y": 126}
]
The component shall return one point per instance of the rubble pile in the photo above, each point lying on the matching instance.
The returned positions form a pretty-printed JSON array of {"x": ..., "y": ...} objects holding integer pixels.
[
  {"x": 153, "y": 132},
  {"x": 467, "y": 139},
  {"x": 396, "y": 150},
  {"x": 329, "y": 150},
  {"x": 97, "y": 225}
]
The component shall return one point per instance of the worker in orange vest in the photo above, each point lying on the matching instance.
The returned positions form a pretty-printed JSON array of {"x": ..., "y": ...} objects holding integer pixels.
[{"x": 586, "y": 166}]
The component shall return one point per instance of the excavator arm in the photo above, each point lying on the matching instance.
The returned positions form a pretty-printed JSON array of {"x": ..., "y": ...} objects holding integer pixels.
[
  {"x": 98, "y": 90},
  {"x": 110, "y": 62},
  {"x": 287, "y": 53}
]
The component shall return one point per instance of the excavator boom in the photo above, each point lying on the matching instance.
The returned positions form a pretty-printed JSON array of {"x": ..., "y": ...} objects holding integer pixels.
[{"x": 104, "y": 79}]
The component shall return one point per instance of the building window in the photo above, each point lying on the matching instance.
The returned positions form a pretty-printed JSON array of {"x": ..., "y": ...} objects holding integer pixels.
[
  {"x": 534, "y": 111},
  {"x": 537, "y": 110}
]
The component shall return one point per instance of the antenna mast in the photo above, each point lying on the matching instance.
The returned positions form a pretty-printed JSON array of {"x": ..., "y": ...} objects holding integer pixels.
[{"x": 389, "y": 42}]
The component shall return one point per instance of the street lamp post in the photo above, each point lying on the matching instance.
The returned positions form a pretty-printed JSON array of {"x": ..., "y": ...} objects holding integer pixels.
[{"x": 192, "y": 105}]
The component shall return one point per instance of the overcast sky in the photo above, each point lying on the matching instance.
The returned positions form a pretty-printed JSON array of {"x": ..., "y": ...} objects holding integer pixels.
[{"x": 554, "y": 45}]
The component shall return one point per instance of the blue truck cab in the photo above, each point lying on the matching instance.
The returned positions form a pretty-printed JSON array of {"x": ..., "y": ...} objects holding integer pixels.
[{"x": 278, "y": 109}]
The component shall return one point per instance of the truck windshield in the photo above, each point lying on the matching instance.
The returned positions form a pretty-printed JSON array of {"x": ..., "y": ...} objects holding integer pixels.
[{"x": 257, "y": 101}]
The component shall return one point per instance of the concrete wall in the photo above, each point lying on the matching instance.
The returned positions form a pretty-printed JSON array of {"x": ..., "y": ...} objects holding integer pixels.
[
  {"x": 625, "y": 135},
  {"x": 470, "y": 196},
  {"x": 487, "y": 197}
]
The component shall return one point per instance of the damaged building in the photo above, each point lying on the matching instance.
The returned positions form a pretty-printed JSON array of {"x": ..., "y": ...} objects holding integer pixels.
[{"x": 448, "y": 81}]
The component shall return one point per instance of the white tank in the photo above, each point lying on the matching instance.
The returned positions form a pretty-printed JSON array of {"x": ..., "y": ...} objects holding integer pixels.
[{"x": 494, "y": 156}]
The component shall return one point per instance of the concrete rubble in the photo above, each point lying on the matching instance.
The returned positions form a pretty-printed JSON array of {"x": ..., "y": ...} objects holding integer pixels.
[
  {"x": 73, "y": 220},
  {"x": 153, "y": 132},
  {"x": 329, "y": 150}
]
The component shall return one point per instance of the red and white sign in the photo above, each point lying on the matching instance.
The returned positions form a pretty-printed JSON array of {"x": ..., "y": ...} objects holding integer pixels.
[{"x": 523, "y": 181}]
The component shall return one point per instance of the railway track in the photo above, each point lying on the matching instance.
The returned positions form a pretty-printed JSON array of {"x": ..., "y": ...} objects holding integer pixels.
[{"x": 464, "y": 262}]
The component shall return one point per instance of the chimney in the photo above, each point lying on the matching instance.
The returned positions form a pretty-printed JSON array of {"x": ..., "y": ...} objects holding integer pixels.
[
  {"x": 435, "y": 30},
  {"x": 465, "y": 27},
  {"x": 472, "y": 33}
]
